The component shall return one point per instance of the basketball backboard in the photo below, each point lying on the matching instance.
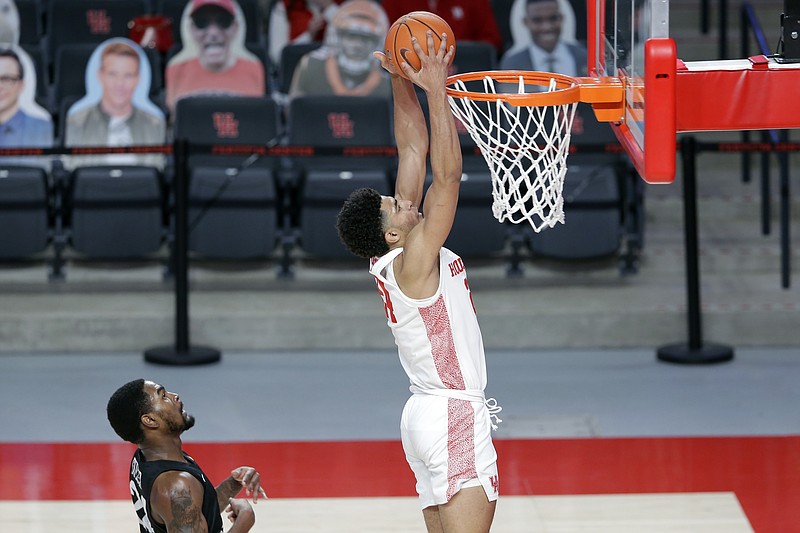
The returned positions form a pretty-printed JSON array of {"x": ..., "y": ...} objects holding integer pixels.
[{"x": 629, "y": 39}]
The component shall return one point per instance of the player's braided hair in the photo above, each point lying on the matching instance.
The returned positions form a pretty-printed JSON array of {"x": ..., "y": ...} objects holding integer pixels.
[
  {"x": 361, "y": 223},
  {"x": 125, "y": 408}
]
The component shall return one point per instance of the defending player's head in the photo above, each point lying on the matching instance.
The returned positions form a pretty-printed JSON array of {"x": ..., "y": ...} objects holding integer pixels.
[
  {"x": 142, "y": 406},
  {"x": 125, "y": 409},
  {"x": 361, "y": 224}
]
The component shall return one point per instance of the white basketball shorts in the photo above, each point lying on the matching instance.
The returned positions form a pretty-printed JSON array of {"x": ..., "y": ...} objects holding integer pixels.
[{"x": 448, "y": 445}]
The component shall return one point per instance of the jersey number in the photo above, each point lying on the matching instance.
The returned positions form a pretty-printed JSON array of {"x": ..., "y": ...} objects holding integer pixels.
[
  {"x": 466, "y": 284},
  {"x": 388, "y": 307},
  {"x": 140, "y": 506}
]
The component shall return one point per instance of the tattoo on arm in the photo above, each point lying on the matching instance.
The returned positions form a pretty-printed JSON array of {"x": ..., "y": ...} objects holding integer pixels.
[
  {"x": 226, "y": 490},
  {"x": 186, "y": 515}
]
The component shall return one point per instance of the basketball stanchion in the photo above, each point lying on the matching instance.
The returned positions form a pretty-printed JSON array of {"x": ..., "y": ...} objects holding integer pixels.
[{"x": 695, "y": 351}]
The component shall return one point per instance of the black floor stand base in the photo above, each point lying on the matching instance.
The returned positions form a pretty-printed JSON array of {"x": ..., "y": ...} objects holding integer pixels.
[
  {"x": 194, "y": 355},
  {"x": 706, "y": 354}
]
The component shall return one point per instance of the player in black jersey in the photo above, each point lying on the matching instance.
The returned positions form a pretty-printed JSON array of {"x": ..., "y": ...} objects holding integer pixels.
[{"x": 170, "y": 492}]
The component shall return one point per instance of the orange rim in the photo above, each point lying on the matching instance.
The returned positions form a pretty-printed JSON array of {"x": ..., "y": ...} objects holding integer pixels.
[{"x": 567, "y": 90}]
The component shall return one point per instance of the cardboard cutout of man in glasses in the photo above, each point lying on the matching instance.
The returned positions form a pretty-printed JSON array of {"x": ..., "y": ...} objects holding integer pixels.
[
  {"x": 23, "y": 123},
  {"x": 214, "y": 59}
]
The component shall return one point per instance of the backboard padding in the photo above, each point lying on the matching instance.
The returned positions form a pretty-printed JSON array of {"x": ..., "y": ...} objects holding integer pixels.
[{"x": 629, "y": 39}]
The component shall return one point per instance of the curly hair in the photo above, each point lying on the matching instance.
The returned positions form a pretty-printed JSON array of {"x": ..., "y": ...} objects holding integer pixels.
[
  {"x": 361, "y": 223},
  {"x": 125, "y": 407}
]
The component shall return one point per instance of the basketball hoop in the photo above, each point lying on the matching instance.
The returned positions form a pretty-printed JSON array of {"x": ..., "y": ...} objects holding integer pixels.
[{"x": 521, "y": 122}]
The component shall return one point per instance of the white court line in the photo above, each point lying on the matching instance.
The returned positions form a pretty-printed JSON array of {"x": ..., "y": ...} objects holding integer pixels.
[{"x": 627, "y": 513}]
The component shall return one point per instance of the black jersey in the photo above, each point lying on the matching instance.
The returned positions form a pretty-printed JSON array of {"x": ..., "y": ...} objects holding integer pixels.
[{"x": 144, "y": 473}]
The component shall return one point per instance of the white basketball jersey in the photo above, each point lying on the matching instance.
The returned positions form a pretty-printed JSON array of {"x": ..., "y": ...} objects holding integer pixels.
[{"x": 438, "y": 338}]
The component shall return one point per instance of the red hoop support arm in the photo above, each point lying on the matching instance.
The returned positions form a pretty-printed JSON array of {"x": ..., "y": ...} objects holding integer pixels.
[{"x": 753, "y": 94}]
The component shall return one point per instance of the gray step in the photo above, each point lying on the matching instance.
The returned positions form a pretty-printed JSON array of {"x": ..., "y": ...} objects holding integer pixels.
[{"x": 532, "y": 313}]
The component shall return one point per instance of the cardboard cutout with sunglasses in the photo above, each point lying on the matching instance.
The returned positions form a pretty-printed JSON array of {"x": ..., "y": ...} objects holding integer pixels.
[{"x": 214, "y": 59}]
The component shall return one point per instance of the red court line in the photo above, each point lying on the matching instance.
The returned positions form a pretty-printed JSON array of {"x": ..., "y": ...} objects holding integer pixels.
[{"x": 764, "y": 472}]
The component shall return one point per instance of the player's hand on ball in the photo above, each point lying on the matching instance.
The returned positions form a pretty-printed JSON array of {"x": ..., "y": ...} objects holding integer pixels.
[{"x": 434, "y": 65}]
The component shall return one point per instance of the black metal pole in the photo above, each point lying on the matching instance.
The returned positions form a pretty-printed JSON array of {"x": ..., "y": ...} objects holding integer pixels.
[
  {"x": 695, "y": 351},
  {"x": 723, "y": 29},
  {"x": 181, "y": 250},
  {"x": 766, "y": 194},
  {"x": 704, "y": 16},
  {"x": 181, "y": 353},
  {"x": 785, "y": 208},
  {"x": 691, "y": 245},
  {"x": 745, "y": 52}
]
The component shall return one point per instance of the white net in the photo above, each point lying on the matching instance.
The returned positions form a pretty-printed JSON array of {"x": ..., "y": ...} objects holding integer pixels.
[{"x": 525, "y": 147}]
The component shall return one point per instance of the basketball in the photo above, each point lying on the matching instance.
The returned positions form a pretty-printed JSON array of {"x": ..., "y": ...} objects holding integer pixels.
[{"x": 398, "y": 47}]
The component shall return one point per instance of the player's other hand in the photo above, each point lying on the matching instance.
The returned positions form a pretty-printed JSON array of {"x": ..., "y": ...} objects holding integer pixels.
[
  {"x": 241, "y": 513},
  {"x": 389, "y": 66},
  {"x": 250, "y": 480}
]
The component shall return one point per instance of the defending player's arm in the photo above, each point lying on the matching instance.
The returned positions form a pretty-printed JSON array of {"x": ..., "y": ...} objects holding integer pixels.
[
  {"x": 177, "y": 502},
  {"x": 424, "y": 241},
  {"x": 411, "y": 136},
  {"x": 241, "y": 515}
]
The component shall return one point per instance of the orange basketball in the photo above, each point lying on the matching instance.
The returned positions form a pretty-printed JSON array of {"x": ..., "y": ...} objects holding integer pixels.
[{"x": 398, "y": 47}]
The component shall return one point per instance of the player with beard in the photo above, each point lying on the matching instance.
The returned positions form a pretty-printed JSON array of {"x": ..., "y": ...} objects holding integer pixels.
[{"x": 170, "y": 492}]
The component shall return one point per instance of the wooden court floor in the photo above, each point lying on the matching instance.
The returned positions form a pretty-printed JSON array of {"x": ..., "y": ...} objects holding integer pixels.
[{"x": 655, "y": 513}]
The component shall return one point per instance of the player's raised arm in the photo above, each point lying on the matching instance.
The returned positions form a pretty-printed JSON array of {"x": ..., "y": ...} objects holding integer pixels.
[
  {"x": 411, "y": 136},
  {"x": 423, "y": 243}
]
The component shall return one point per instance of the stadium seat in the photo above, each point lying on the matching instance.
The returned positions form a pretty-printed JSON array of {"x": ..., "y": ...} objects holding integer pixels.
[
  {"x": 31, "y": 28},
  {"x": 42, "y": 76},
  {"x": 260, "y": 51},
  {"x": 324, "y": 181},
  {"x": 24, "y": 212},
  {"x": 472, "y": 56},
  {"x": 89, "y": 21},
  {"x": 502, "y": 12},
  {"x": 290, "y": 57},
  {"x": 115, "y": 212},
  {"x": 234, "y": 201}
]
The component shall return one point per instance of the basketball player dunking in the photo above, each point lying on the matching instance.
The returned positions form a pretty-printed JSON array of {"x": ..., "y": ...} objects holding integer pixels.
[{"x": 445, "y": 425}]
